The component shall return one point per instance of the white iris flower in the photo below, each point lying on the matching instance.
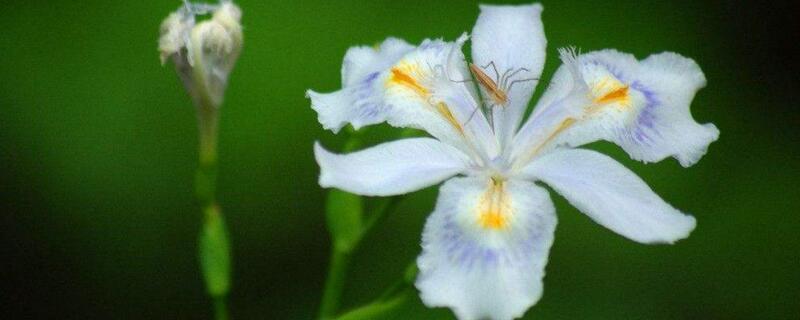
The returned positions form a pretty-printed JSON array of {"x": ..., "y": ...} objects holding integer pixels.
[{"x": 486, "y": 244}]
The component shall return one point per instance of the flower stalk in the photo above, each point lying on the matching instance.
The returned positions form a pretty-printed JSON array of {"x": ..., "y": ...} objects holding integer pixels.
[
  {"x": 344, "y": 219},
  {"x": 347, "y": 225},
  {"x": 213, "y": 243},
  {"x": 204, "y": 54},
  {"x": 334, "y": 283}
]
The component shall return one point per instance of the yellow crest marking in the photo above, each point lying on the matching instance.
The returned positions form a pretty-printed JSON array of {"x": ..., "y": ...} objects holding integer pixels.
[
  {"x": 495, "y": 207},
  {"x": 400, "y": 77},
  {"x": 609, "y": 91},
  {"x": 618, "y": 95}
]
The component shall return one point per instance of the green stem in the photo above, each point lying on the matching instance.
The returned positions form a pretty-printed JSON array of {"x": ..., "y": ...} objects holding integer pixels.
[
  {"x": 340, "y": 260},
  {"x": 334, "y": 283},
  {"x": 207, "y": 125},
  {"x": 389, "y": 300},
  {"x": 385, "y": 206},
  {"x": 340, "y": 257},
  {"x": 393, "y": 289},
  {"x": 220, "y": 309},
  {"x": 402, "y": 284},
  {"x": 213, "y": 244},
  {"x": 377, "y": 309}
]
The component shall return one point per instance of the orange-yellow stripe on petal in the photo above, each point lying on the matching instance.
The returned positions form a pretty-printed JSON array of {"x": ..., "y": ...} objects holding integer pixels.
[
  {"x": 401, "y": 77},
  {"x": 618, "y": 95},
  {"x": 444, "y": 110},
  {"x": 405, "y": 75},
  {"x": 494, "y": 207}
]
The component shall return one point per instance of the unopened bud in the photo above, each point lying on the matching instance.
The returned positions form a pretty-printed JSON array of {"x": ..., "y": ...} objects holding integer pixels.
[{"x": 204, "y": 53}]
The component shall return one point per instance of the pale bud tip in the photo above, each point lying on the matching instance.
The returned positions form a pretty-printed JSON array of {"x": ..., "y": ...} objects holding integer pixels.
[{"x": 205, "y": 52}]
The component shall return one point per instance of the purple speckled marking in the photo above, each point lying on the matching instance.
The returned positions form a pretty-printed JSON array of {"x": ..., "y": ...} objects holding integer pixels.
[
  {"x": 469, "y": 254},
  {"x": 365, "y": 105},
  {"x": 647, "y": 117},
  {"x": 371, "y": 77}
]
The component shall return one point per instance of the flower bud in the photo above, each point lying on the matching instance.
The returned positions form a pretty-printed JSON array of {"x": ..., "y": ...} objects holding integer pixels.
[{"x": 204, "y": 53}]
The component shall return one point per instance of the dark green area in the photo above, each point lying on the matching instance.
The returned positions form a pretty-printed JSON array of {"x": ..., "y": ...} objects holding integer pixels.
[{"x": 98, "y": 152}]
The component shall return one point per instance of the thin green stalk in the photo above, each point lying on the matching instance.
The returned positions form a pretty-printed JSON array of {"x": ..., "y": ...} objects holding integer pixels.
[
  {"x": 220, "y": 309},
  {"x": 213, "y": 244},
  {"x": 206, "y": 178},
  {"x": 340, "y": 259},
  {"x": 377, "y": 309},
  {"x": 402, "y": 284},
  {"x": 334, "y": 283},
  {"x": 341, "y": 254},
  {"x": 392, "y": 298},
  {"x": 392, "y": 290},
  {"x": 386, "y": 206}
]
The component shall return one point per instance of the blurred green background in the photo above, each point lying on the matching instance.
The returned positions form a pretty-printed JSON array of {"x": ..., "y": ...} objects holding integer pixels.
[{"x": 98, "y": 152}]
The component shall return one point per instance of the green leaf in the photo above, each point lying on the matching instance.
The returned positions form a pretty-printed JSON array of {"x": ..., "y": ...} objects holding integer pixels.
[
  {"x": 215, "y": 250},
  {"x": 344, "y": 216}
]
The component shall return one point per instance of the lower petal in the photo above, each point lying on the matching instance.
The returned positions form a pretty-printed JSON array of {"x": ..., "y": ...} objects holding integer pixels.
[{"x": 485, "y": 248}]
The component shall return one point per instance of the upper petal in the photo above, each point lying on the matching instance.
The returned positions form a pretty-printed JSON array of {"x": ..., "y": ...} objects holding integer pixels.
[
  {"x": 427, "y": 89},
  {"x": 641, "y": 106},
  {"x": 508, "y": 44},
  {"x": 611, "y": 195},
  {"x": 358, "y": 103},
  {"x": 423, "y": 88},
  {"x": 390, "y": 168},
  {"x": 485, "y": 247}
]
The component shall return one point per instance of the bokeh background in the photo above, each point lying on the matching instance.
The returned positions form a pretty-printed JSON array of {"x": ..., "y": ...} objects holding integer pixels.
[{"x": 98, "y": 151}]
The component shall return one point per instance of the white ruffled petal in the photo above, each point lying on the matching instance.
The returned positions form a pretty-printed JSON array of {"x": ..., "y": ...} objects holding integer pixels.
[
  {"x": 485, "y": 248},
  {"x": 360, "y": 101},
  {"x": 611, "y": 195},
  {"x": 422, "y": 88},
  {"x": 508, "y": 44},
  {"x": 641, "y": 106},
  {"x": 390, "y": 168}
]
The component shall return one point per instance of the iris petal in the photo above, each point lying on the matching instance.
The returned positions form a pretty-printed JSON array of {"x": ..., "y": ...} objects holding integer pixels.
[
  {"x": 390, "y": 168},
  {"x": 611, "y": 195},
  {"x": 641, "y": 106},
  {"x": 485, "y": 248}
]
